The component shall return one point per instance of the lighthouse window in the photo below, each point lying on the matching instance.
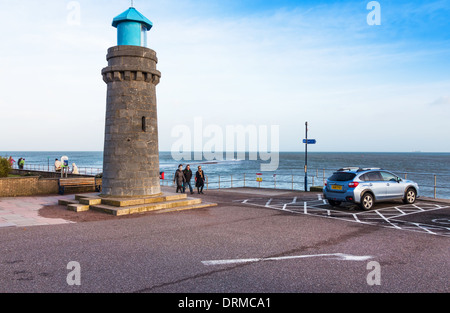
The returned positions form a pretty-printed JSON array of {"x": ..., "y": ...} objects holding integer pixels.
[{"x": 144, "y": 127}]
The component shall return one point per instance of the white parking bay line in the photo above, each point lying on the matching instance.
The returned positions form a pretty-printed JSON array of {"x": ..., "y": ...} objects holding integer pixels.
[{"x": 384, "y": 218}]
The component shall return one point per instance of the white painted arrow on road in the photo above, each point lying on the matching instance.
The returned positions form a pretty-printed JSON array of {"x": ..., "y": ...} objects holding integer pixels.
[{"x": 337, "y": 256}]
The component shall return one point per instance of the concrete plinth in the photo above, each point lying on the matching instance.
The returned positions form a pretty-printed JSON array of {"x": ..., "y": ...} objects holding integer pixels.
[{"x": 124, "y": 206}]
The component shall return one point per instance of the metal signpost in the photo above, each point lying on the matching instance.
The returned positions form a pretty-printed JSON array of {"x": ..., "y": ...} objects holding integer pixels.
[{"x": 307, "y": 142}]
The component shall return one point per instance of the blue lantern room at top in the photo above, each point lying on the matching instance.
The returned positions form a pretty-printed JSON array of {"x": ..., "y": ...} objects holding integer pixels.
[{"x": 132, "y": 28}]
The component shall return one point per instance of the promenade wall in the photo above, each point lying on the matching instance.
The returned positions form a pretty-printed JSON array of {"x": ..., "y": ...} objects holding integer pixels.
[
  {"x": 35, "y": 183},
  {"x": 27, "y": 186}
]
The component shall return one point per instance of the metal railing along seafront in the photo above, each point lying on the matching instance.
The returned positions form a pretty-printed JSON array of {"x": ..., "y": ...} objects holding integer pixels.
[
  {"x": 431, "y": 184},
  {"x": 50, "y": 168}
]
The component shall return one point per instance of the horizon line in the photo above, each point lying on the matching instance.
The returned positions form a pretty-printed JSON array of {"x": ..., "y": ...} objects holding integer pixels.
[{"x": 281, "y": 151}]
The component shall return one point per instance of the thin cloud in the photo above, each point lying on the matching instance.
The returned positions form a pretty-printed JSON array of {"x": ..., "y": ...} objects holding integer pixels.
[{"x": 441, "y": 101}]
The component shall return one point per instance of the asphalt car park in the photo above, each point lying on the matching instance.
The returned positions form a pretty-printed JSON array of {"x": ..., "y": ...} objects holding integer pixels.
[
  {"x": 425, "y": 216},
  {"x": 254, "y": 240}
]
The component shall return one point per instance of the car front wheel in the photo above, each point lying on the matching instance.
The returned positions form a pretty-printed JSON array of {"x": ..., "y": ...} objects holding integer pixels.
[
  {"x": 410, "y": 196},
  {"x": 367, "y": 201}
]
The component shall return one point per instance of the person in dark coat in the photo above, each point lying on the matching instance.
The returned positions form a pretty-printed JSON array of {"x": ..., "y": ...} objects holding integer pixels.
[
  {"x": 179, "y": 178},
  {"x": 200, "y": 179},
  {"x": 187, "y": 175}
]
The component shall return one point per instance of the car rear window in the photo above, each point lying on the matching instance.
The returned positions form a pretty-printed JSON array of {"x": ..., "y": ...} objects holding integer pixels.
[
  {"x": 342, "y": 176},
  {"x": 371, "y": 176}
]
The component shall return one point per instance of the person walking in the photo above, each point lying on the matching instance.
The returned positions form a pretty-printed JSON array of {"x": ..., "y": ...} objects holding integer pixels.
[
  {"x": 187, "y": 175},
  {"x": 199, "y": 180},
  {"x": 179, "y": 178}
]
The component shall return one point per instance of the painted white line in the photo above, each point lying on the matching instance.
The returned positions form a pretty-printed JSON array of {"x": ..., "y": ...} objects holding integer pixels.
[
  {"x": 424, "y": 228},
  {"x": 336, "y": 256},
  {"x": 356, "y": 218},
  {"x": 305, "y": 211},
  {"x": 414, "y": 212},
  {"x": 268, "y": 202},
  {"x": 270, "y": 207},
  {"x": 384, "y": 218},
  {"x": 403, "y": 213},
  {"x": 319, "y": 196}
]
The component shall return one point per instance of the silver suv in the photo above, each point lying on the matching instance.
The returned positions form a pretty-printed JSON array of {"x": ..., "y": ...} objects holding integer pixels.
[{"x": 365, "y": 186}]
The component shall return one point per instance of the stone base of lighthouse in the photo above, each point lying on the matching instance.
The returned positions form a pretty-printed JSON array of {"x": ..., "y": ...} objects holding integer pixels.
[{"x": 166, "y": 202}]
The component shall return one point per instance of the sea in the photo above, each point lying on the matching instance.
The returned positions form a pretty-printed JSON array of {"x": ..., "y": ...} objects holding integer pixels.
[{"x": 430, "y": 170}]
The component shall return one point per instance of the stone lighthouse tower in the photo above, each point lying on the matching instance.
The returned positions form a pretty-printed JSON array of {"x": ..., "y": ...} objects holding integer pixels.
[{"x": 131, "y": 154}]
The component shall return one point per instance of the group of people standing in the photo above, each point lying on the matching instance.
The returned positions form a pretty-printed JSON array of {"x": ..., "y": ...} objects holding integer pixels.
[
  {"x": 59, "y": 165},
  {"x": 183, "y": 179},
  {"x": 20, "y": 163}
]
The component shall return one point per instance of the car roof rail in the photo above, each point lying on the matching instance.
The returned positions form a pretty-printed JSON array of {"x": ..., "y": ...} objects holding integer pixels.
[
  {"x": 349, "y": 168},
  {"x": 369, "y": 168}
]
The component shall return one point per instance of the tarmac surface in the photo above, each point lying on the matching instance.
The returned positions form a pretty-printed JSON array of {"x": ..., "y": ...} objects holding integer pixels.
[{"x": 254, "y": 241}]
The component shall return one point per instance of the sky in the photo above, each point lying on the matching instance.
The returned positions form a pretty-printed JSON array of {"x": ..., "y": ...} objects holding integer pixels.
[{"x": 254, "y": 63}]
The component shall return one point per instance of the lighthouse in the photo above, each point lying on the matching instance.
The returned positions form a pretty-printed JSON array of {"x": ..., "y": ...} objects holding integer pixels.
[
  {"x": 130, "y": 182},
  {"x": 131, "y": 153}
]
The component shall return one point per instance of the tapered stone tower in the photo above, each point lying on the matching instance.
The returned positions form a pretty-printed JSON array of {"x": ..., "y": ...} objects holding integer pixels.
[{"x": 131, "y": 154}]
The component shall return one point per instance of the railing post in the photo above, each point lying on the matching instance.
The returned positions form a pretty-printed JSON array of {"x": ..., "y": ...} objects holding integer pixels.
[
  {"x": 219, "y": 181},
  {"x": 434, "y": 186},
  {"x": 231, "y": 181},
  {"x": 292, "y": 181},
  {"x": 244, "y": 179}
]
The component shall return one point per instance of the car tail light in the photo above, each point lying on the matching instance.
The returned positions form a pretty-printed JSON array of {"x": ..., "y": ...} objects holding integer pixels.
[
  {"x": 353, "y": 184},
  {"x": 325, "y": 184}
]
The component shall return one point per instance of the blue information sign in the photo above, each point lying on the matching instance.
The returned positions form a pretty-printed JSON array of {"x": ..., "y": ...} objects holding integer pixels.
[{"x": 310, "y": 141}]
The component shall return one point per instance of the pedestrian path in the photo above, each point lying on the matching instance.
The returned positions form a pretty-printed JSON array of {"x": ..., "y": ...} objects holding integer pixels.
[{"x": 24, "y": 211}]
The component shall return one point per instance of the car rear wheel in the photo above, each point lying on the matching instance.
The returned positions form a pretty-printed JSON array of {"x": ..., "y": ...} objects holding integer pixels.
[
  {"x": 410, "y": 196},
  {"x": 334, "y": 203},
  {"x": 367, "y": 201}
]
